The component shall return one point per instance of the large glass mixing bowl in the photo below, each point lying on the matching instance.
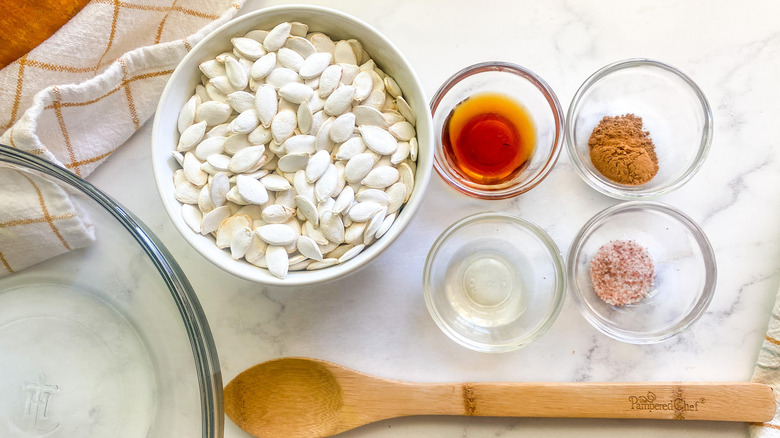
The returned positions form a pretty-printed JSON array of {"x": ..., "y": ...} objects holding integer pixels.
[{"x": 104, "y": 341}]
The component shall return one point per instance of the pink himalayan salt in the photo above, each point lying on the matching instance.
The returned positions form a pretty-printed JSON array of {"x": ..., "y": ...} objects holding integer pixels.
[{"x": 622, "y": 272}]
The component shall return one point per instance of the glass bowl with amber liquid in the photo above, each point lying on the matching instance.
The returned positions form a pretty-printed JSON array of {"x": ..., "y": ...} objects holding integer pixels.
[{"x": 498, "y": 128}]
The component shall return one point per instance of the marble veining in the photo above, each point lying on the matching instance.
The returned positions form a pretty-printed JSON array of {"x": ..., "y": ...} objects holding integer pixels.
[{"x": 376, "y": 321}]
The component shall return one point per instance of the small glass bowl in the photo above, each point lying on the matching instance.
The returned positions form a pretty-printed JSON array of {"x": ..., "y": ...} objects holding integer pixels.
[
  {"x": 526, "y": 88},
  {"x": 685, "y": 271},
  {"x": 673, "y": 110},
  {"x": 494, "y": 282}
]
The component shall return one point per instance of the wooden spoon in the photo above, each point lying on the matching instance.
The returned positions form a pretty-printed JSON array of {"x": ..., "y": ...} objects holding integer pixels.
[{"x": 300, "y": 397}]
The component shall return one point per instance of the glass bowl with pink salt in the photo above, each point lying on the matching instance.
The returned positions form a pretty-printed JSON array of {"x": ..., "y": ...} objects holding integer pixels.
[
  {"x": 637, "y": 129},
  {"x": 641, "y": 272}
]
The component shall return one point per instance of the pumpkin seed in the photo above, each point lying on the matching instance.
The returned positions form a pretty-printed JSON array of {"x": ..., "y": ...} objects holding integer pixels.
[
  {"x": 363, "y": 84},
  {"x": 289, "y": 58},
  {"x": 329, "y": 80},
  {"x": 283, "y": 125},
  {"x": 309, "y": 248},
  {"x": 358, "y": 167},
  {"x": 229, "y": 226},
  {"x": 296, "y": 92},
  {"x": 239, "y": 243},
  {"x": 350, "y": 148},
  {"x": 192, "y": 170},
  {"x": 276, "y": 258},
  {"x": 392, "y": 87},
  {"x": 366, "y": 115},
  {"x": 301, "y": 45},
  {"x": 321, "y": 42},
  {"x": 300, "y": 144},
  {"x": 293, "y": 162},
  {"x": 325, "y": 263},
  {"x": 332, "y": 226},
  {"x": 213, "y": 219},
  {"x": 191, "y": 136},
  {"x": 326, "y": 184},
  {"x": 218, "y": 189},
  {"x": 354, "y": 232},
  {"x": 248, "y": 48},
  {"x": 381, "y": 177},
  {"x": 317, "y": 165},
  {"x": 281, "y": 76},
  {"x": 263, "y": 66},
  {"x": 343, "y": 53},
  {"x": 245, "y": 123},
  {"x": 276, "y": 37},
  {"x": 344, "y": 200},
  {"x": 374, "y": 195},
  {"x": 277, "y": 234},
  {"x": 403, "y": 131},
  {"x": 213, "y": 112},
  {"x": 187, "y": 193},
  {"x": 378, "y": 140},
  {"x": 246, "y": 158},
  {"x": 212, "y": 68},
  {"x": 405, "y": 110},
  {"x": 351, "y": 253},
  {"x": 305, "y": 117},
  {"x": 192, "y": 216},
  {"x": 235, "y": 73},
  {"x": 275, "y": 183},
  {"x": 342, "y": 128},
  {"x": 187, "y": 114},
  {"x": 363, "y": 211},
  {"x": 401, "y": 153},
  {"x": 340, "y": 100}
]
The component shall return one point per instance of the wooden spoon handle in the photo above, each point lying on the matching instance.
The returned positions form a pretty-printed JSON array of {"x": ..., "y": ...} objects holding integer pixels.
[{"x": 738, "y": 401}]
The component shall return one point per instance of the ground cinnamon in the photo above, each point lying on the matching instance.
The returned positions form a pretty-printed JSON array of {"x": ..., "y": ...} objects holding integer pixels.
[{"x": 622, "y": 150}]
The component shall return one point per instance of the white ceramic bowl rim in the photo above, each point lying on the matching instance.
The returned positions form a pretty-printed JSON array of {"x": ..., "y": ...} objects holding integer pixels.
[
  {"x": 704, "y": 144},
  {"x": 261, "y": 275}
]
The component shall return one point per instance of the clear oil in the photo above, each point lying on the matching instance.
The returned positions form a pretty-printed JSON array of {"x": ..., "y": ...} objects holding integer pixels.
[{"x": 485, "y": 289}]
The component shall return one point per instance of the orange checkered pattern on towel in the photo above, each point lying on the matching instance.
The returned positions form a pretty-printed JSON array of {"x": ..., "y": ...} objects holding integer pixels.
[{"x": 83, "y": 92}]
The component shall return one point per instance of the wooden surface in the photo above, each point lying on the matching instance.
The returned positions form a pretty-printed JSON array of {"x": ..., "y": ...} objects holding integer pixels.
[
  {"x": 298, "y": 397},
  {"x": 27, "y": 23}
]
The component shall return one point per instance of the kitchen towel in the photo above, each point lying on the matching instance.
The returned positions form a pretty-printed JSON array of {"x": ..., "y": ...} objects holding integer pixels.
[
  {"x": 768, "y": 371},
  {"x": 80, "y": 95}
]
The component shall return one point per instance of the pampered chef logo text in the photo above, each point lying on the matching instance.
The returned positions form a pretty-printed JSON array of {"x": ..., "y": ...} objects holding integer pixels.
[{"x": 650, "y": 403}]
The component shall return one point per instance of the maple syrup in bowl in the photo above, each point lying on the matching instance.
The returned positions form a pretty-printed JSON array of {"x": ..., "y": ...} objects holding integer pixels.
[{"x": 499, "y": 130}]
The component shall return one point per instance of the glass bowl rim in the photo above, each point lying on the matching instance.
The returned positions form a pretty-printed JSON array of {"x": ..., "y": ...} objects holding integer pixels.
[
  {"x": 204, "y": 351},
  {"x": 549, "y": 95},
  {"x": 559, "y": 292},
  {"x": 615, "y": 192},
  {"x": 705, "y": 295}
]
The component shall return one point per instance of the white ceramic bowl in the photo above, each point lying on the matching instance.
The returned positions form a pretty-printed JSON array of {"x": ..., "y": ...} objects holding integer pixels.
[{"x": 181, "y": 86}]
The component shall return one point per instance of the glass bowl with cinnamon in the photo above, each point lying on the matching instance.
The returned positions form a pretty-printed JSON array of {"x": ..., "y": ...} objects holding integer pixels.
[
  {"x": 637, "y": 129},
  {"x": 641, "y": 272}
]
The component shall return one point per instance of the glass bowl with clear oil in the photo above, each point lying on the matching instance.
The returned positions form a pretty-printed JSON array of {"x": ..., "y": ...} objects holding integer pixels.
[
  {"x": 494, "y": 282},
  {"x": 498, "y": 128}
]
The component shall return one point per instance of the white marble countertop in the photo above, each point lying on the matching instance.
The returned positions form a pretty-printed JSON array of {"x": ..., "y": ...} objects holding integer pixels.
[{"x": 376, "y": 321}]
